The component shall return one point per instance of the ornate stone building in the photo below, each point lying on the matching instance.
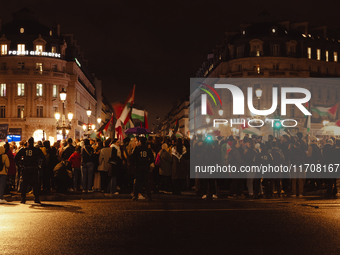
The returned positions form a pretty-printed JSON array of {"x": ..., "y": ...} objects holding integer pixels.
[
  {"x": 270, "y": 49},
  {"x": 36, "y": 63}
]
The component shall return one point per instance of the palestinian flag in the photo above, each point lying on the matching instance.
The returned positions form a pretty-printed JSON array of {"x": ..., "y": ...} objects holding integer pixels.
[
  {"x": 252, "y": 131},
  {"x": 325, "y": 111},
  {"x": 176, "y": 127},
  {"x": 337, "y": 123},
  {"x": 125, "y": 115},
  {"x": 137, "y": 114},
  {"x": 106, "y": 128}
]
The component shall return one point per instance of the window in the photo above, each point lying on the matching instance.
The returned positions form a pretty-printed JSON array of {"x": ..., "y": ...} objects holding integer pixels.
[
  {"x": 240, "y": 68},
  {"x": 291, "y": 66},
  {"x": 256, "y": 49},
  {"x": 50, "y": 32},
  {"x": 22, "y": 30},
  {"x": 40, "y": 111},
  {"x": 319, "y": 69},
  {"x": 309, "y": 52},
  {"x": 39, "y": 49},
  {"x": 257, "y": 69},
  {"x": 54, "y": 68},
  {"x": 292, "y": 49},
  {"x": 39, "y": 90},
  {"x": 21, "y": 89},
  {"x": 20, "y": 111},
  {"x": 3, "y": 49},
  {"x": 3, "y": 66},
  {"x": 54, "y": 49},
  {"x": 328, "y": 94},
  {"x": 275, "y": 50},
  {"x": 2, "y": 111},
  {"x": 38, "y": 67},
  {"x": 318, "y": 54},
  {"x": 240, "y": 51},
  {"x": 326, "y": 55},
  {"x": 21, "y": 66},
  {"x": 335, "y": 56},
  {"x": 55, "y": 91},
  {"x": 276, "y": 66},
  {"x": 21, "y": 49},
  {"x": 3, "y": 89}
]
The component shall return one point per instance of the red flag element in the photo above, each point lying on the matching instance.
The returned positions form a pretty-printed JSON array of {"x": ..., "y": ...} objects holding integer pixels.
[
  {"x": 338, "y": 123},
  {"x": 245, "y": 125},
  {"x": 117, "y": 109},
  {"x": 333, "y": 109},
  {"x": 126, "y": 113},
  {"x": 146, "y": 124}
]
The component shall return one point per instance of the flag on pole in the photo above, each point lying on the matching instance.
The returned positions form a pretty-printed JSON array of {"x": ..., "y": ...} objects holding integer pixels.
[
  {"x": 106, "y": 128},
  {"x": 119, "y": 131},
  {"x": 325, "y": 111},
  {"x": 146, "y": 124},
  {"x": 137, "y": 114},
  {"x": 125, "y": 115},
  {"x": 176, "y": 127}
]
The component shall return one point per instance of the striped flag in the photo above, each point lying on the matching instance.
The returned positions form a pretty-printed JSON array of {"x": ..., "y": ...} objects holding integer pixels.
[
  {"x": 325, "y": 111},
  {"x": 125, "y": 115}
]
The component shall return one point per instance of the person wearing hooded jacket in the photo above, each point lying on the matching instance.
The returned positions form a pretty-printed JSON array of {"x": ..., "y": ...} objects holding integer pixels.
[{"x": 3, "y": 173}]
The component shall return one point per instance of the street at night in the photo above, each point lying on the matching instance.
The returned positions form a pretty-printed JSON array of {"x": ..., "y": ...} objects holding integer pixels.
[{"x": 172, "y": 225}]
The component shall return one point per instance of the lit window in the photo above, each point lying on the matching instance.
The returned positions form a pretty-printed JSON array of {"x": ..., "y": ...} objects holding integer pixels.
[
  {"x": 273, "y": 30},
  {"x": 22, "y": 30},
  {"x": 244, "y": 32},
  {"x": 318, "y": 54},
  {"x": 21, "y": 89},
  {"x": 39, "y": 49},
  {"x": 38, "y": 67},
  {"x": 326, "y": 55},
  {"x": 40, "y": 111},
  {"x": 257, "y": 69},
  {"x": 21, "y": 49},
  {"x": 309, "y": 52},
  {"x": 2, "y": 111},
  {"x": 3, "y": 89},
  {"x": 3, "y": 49},
  {"x": 50, "y": 32},
  {"x": 54, "y": 49},
  {"x": 20, "y": 111},
  {"x": 55, "y": 91},
  {"x": 335, "y": 56},
  {"x": 39, "y": 90}
]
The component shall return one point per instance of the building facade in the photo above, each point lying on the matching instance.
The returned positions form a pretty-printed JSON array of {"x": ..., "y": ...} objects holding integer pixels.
[
  {"x": 270, "y": 49},
  {"x": 180, "y": 113},
  {"x": 36, "y": 63}
]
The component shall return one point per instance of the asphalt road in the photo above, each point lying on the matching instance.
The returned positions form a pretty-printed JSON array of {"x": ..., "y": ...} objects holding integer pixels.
[{"x": 171, "y": 225}]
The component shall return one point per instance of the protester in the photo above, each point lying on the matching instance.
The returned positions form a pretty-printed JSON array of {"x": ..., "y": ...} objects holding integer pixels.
[
  {"x": 4, "y": 165},
  {"x": 87, "y": 166}
]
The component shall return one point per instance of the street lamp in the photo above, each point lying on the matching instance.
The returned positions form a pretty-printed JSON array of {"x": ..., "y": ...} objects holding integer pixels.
[
  {"x": 88, "y": 112},
  {"x": 64, "y": 128},
  {"x": 220, "y": 111},
  {"x": 258, "y": 93}
]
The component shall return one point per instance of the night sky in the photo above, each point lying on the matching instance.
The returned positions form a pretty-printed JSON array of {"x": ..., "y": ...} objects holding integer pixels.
[{"x": 158, "y": 45}]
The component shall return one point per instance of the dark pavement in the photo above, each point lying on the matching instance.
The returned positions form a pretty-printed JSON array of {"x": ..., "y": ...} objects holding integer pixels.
[{"x": 172, "y": 225}]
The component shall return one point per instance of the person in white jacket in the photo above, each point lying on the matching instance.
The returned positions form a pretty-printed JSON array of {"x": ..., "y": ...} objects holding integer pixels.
[
  {"x": 3, "y": 173},
  {"x": 103, "y": 167}
]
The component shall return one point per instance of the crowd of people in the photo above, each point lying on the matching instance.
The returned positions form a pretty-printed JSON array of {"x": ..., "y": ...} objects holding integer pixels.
[
  {"x": 291, "y": 151},
  {"x": 142, "y": 167}
]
